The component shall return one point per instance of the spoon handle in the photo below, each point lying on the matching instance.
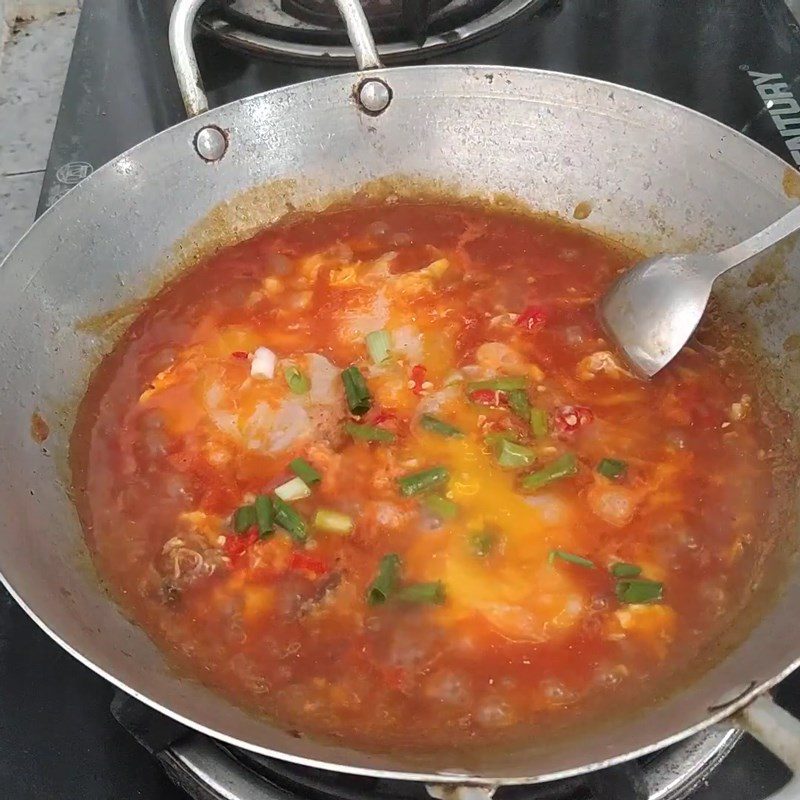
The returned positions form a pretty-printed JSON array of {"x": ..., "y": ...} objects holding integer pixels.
[{"x": 755, "y": 245}]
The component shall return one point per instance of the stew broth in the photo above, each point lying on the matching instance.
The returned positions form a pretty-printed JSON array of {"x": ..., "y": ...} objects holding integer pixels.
[{"x": 493, "y": 529}]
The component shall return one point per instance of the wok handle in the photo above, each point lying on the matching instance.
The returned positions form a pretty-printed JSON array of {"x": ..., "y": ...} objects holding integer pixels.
[
  {"x": 184, "y": 60},
  {"x": 779, "y": 732},
  {"x": 359, "y": 34}
]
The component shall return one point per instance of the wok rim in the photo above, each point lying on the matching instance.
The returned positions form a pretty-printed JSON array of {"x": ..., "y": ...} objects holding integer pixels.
[{"x": 450, "y": 777}]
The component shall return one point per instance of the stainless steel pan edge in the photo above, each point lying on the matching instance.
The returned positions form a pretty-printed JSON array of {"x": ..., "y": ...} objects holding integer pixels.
[{"x": 551, "y": 140}]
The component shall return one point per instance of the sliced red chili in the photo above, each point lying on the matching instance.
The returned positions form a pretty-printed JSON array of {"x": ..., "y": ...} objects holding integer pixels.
[
  {"x": 236, "y": 546},
  {"x": 532, "y": 318},
  {"x": 567, "y": 419},
  {"x": 386, "y": 418},
  {"x": 418, "y": 373},
  {"x": 380, "y": 415},
  {"x": 240, "y": 354},
  {"x": 489, "y": 397},
  {"x": 304, "y": 562}
]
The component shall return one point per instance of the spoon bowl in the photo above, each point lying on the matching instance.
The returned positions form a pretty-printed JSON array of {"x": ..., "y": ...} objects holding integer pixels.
[{"x": 651, "y": 311}]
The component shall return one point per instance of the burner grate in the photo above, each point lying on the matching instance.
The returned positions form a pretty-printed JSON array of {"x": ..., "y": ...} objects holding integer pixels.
[
  {"x": 622, "y": 782},
  {"x": 320, "y": 785},
  {"x": 311, "y": 31},
  {"x": 207, "y": 770},
  {"x": 320, "y": 21},
  {"x": 396, "y": 18}
]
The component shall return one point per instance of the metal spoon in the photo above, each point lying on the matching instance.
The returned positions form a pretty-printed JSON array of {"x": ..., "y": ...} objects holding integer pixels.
[{"x": 653, "y": 309}]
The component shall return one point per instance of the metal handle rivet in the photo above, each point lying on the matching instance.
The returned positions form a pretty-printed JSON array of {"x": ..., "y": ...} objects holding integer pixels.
[
  {"x": 211, "y": 143},
  {"x": 373, "y": 96}
]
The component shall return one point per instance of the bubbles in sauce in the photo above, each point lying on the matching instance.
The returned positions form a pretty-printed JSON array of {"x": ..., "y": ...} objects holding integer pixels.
[{"x": 565, "y": 538}]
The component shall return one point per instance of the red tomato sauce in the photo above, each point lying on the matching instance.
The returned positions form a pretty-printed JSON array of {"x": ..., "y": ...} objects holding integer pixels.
[{"x": 503, "y": 611}]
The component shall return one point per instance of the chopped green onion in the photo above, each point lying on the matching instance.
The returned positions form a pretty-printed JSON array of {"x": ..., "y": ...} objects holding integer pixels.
[
  {"x": 639, "y": 590},
  {"x": 570, "y": 557},
  {"x": 482, "y": 543},
  {"x": 436, "y": 425},
  {"x": 519, "y": 403},
  {"x": 264, "y": 514},
  {"x": 539, "y": 424},
  {"x": 514, "y": 456},
  {"x": 368, "y": 433},
  {"x": 243, "y": 518},
  {"x": 289, "y": 520},
  {"x": 385, "y": 582},
  {"x": 612, "y": 468},
  {"x": 298, "y": 383},
  {"x": 333, "y": 521},
  {"x": 379, "y": 345},
  {"x": 422, "y": 593},
  {"x": 356, "y": 392},
  {"x": 304, "y": 470},
  {"x": 498, "y": 384},
  {"x": 562, "y": 467},
  {"x": 421, "y": 481},
  {"x": 294, "y": 489},
  {"x": 440, "y": 506},
  {"x": 624, "y": 570},
  {"x": 495, "y": 438}
]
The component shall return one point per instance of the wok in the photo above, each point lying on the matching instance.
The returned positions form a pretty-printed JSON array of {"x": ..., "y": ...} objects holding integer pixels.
[{"x": 648, "y": 167}]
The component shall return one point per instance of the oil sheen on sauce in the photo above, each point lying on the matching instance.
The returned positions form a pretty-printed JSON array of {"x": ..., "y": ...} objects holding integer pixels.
[{"x": 507, "y": 532}]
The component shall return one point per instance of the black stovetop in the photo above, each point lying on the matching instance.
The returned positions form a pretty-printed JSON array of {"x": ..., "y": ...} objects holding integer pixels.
[{"x": 58, "y": 738}]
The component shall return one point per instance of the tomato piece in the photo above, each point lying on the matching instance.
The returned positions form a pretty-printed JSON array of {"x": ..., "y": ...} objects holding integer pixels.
[
  {"x": 303, "y": 562},
  {"x": 396, "y": 677},
  {"x": 532, "y": 318},
  {"x": 236, "y": 546},
  {"x": 216, "y": 498},
  {"x": 418, "y": 373},
  {"x": 489, "y": 397},
  {"x": 240, "y": 354},
  {"x": 568, "y": 419},
  {"x": 510, "y": 424},
  {"x": 270, "y": 557}
]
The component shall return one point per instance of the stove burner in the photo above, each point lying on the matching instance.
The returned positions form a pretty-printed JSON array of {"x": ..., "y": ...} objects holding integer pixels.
[
  {"x": 406, "y": 17},
  {"x": 209, "y": 770},
  {"x": 305, "y": 782},
  {"x": 670, "y": 774},
  {"x": 311, "y": 31},
  {"x": 390, "y": 20}
]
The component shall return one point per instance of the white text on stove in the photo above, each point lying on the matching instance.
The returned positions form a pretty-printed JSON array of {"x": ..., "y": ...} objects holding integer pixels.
[{"x": 782, "y": 106}]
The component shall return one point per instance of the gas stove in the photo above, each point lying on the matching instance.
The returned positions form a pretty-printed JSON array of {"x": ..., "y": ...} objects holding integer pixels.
[{"x": 64, "y": 733}]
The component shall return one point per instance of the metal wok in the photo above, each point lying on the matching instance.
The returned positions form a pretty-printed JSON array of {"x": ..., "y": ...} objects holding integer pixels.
[{"x": 649, "y": 168}]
